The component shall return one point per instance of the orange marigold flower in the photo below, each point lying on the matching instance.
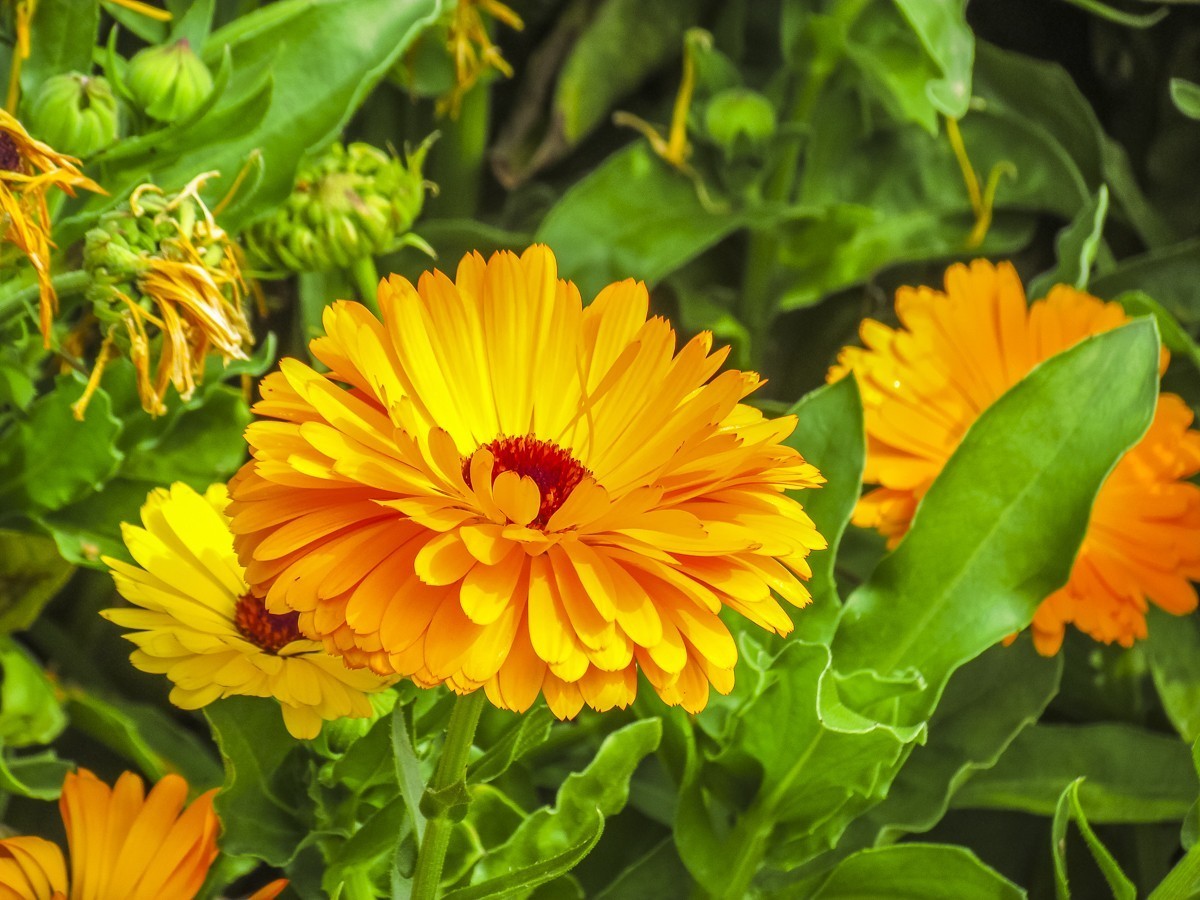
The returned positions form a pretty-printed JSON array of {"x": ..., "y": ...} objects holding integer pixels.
[
  {"x": 957, "y": 351},
  {"x": 122, "y": 842},
  {"x": 29, "y": 169},
  {"x": 497, "y": 487}
]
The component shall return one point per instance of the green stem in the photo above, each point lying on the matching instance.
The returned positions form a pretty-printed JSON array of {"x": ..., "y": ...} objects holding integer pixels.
[
  {"x": 65, "y": 284},
  {"x": 451, "y": 770},
  {"x": 458, "y": 158},
  {"x": 366, "y": 282},
  {"x": 757, "y": 303}
]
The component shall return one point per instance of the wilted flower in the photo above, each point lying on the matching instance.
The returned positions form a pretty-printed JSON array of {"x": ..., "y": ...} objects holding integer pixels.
[
  {"x": 122, "y": 842},
  {"x": 955, "y": 354},
  {"x": 472, "y": 49},
  {"x": 497, "y": 487},
  {"x": 163, "y": 270},
  {"x": 28, "y": 170},
  {"x": 198, "y": 624},
  {"x": 348, "y": 204}
]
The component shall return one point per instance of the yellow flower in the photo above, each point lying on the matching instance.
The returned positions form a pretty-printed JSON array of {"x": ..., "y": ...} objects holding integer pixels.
[
  {"x": 497, "y": 487},
  {"x": 28, "y": 170},
  {"x": 122, "y": 842},
  {"x": 956, "y": 353},
  {"x": 198, "y": 624},
  {"x": 472, "y": 49}
]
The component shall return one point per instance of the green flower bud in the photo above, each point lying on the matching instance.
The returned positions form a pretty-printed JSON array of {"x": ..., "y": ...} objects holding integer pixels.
[
  {"x": 168, "y": 82},
  {"x": 352, "y": 202},
  {"x": 75, "y": 113},
  {"x": 739, "y": 114}
]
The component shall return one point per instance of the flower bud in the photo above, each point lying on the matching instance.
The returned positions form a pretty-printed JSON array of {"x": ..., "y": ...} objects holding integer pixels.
[
  {"x": 352, "y": 202},
  {"x": 739, "y": 115},
  {"x": 75, "y": 113},
  {"x": 168, "y": 82}
]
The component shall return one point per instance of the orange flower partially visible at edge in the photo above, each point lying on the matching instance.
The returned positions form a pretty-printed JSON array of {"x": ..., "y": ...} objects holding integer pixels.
[
  {"x": 29, "y": 169},
  {"x": 122, "y": 842},
  {"x": 955, "y": 353},
  {"x": 497, "y": 487}
]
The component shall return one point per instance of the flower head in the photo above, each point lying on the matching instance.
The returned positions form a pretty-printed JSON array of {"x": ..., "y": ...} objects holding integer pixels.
[
  {"x": 29, "y": 169},
  {"x": 122, "y": 842},
  {"x": 955, "y": 353},
  {"x": 497, "y": 487},
  {"x": 198, "y": 624},
  {"x": 166, "y": 276}
]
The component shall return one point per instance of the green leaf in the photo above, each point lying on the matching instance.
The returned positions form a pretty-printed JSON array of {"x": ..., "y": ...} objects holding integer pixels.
[
  {"x": 942, "y": 27},
  {"x": 659, "y": 874},
  {"x": 31, "y": 573},
  {"x": 261, "y": 817},
  {"x": 146, "y": 736},
  {"x": 1132, "y": 775},
  {"x": 915, "y": 872},
  {"x": 408, "y": 769},
  {"x": 1167, "y": 274},
  {"x": 987, "y": 703},
  {"x": 369, "y": 850},
  {"x": 1186, "y": 97},
  {"x": 49, "y": 459},
  {"x": 30, "y": 712},
  {"x": 552, "y": 840},
  {"x": 1006, "y": 515},
  {"x": 61, "y": 38},
  {"x": 1067, "y": 808},
  {"x": 1174, "y": 337},
  {"x": 632, "y": 217},
  {"x": 1173, "y": 646},
  {"x": 1076, "y": 246},
  {"x": 829, "y": 434},
  {"x": 529, "y": 732},
  {"x": 38, "y": 776}
]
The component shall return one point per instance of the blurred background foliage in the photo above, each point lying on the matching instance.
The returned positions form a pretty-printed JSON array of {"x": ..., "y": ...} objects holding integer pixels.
[{"x": 809, "y": 172}]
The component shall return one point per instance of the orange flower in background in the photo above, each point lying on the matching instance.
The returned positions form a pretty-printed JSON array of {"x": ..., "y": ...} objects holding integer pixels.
[
  {"x": 29, "y": 169},
  {"x": 123, "y": 843},
  {"x": 497, "y": 487},
  {"x": 955, "y": 353}
]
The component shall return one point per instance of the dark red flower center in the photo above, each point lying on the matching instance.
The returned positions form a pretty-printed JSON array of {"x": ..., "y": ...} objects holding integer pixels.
[
  {"x": 554, "y": 470},
  {"x": 10, "y": 156},
  {"x": 264, "y": 629}
]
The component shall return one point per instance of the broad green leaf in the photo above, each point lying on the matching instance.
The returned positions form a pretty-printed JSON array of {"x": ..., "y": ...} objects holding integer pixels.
[
  {"x": 1006, "y": 515},
  {"x": 146, "y": 736},
  {"x": 553, "y": 839},
  {"x": 915, "y": 872},
  {"x": 632, "y": 217},
  {"x": 49, "y": 459},
  {"x": 529, "y": 731},
  {"x": 1131, "y": 775},
  {"x": 368, "y": 853},
  {"x": 30, "y": 711},
  {"x": 829, "y": 434},
  {"x": 659, "y": 874},
  {"x": 262, "y": 818},
  {"x": 61, "y": 38},
  {"x": 1076, "y": 247},
  {"x": 942, "y": 28},
  {"x": 1067, "y": 808},
  {"x": 1168, "y": 274},
  {"x": 31, "y": 573},
  {"x": 38, "y": 776},
  {"x": 987, "y": 703},
  {"x": 1173, "y": 647},
  {"x": 1186, "y": 97},
  {"x": 1183, "y": 881}
]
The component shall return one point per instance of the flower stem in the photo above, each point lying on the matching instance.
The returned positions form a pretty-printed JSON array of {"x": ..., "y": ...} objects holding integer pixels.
[
  {"x": 450, "y": 773},
  {"x": 65, "y": 284},
  {"x": 366, "y": 281}
]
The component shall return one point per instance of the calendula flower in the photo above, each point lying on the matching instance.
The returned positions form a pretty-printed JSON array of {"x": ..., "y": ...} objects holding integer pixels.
[
  {"x": 29, "y": 169},
  {"x": 198, "y": 624},
  {"x": 955, "y": 353},
  {"x": 471, "y": 47},
  {"x": 497, "y": 487},
  {"x": 122, "y": 841},
  {"x": 166, "y": 280}
]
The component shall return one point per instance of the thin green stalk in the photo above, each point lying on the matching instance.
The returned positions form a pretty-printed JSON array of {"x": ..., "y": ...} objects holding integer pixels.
[
  {"x": 451, "y": 772},
  {"x": 65, "y": 284},
  {"x": 459, "y": 156},
  {"x": 366, "y": 282}
]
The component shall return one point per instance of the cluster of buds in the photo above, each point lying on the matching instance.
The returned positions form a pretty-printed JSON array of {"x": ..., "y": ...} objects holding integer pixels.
[
  {"x": 166, "y": 280},
  {"x": 351, "y": 203}
]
